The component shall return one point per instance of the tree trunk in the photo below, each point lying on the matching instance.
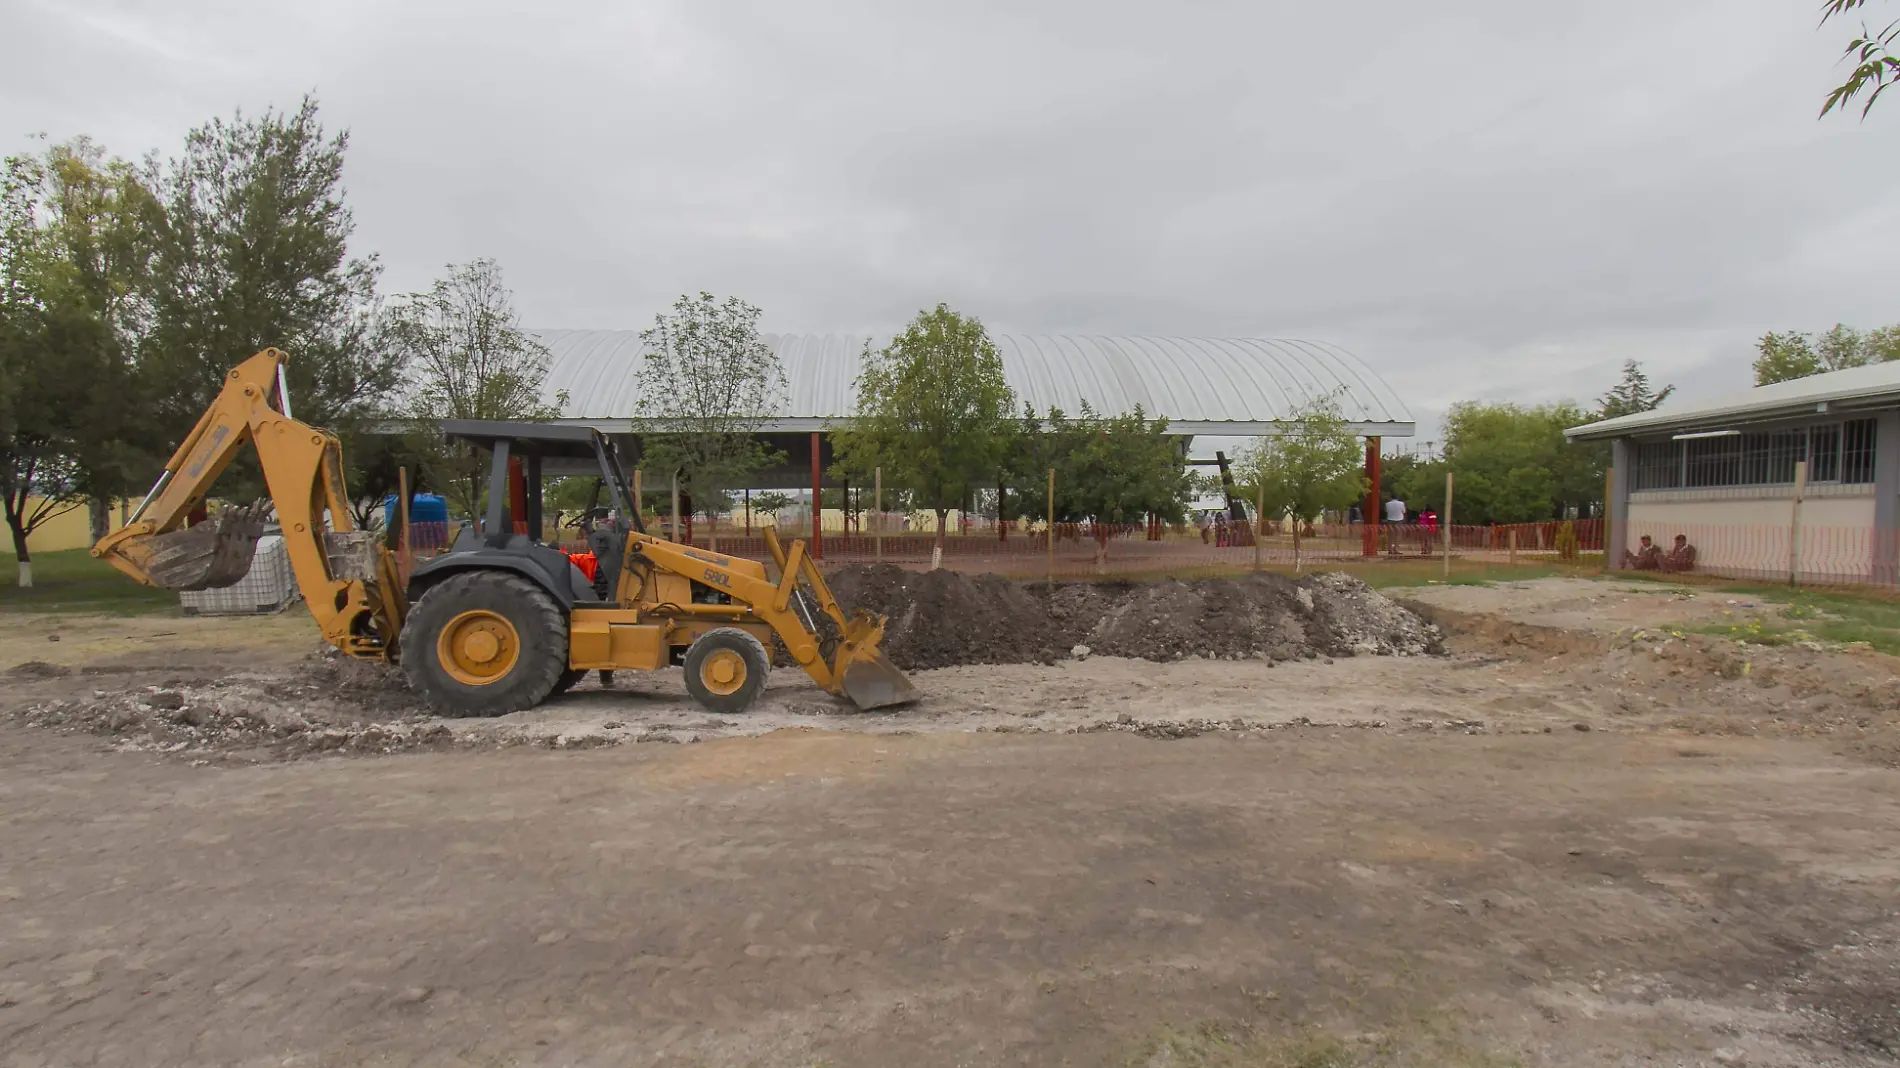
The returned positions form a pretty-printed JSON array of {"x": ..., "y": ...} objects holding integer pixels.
[
  {"x": 99, "y": 517},
  {"x": 20, "y": 552},
  {"x": 712, "y": 532},
  {"x": 1296, "y": 546},
  {"x": 936, "y": 552},
  {"x": 1101, "y": 549}
]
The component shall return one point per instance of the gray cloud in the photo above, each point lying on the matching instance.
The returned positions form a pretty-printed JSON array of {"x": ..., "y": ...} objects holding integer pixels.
[{"x": 1483, "y": 200}]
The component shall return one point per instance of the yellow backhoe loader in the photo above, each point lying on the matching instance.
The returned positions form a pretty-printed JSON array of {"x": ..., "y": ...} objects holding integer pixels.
[{"x": 499, "y": 622}]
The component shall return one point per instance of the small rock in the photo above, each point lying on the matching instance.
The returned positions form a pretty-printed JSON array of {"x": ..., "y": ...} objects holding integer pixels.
[
  {"x": 414, "y": 995},
  {"x": 1580, "y": 726},
  {"x": 1125, "y": 718},
  {"x": 1729, "y": 1055},
  {"x": 1080, "y": 652},
  {"x": 52, "y": 637},
  {"x": 168, "y": 699},
  {"x": 1574, "y": 852},
  {"x": 612, "y": 725}
]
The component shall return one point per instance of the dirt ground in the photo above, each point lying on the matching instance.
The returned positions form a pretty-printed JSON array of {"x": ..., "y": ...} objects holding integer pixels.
[{"x": 1577, "y": 839}]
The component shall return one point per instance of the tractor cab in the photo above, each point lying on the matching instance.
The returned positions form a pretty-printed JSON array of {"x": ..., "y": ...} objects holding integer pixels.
[{"x": 508, "y": 534}]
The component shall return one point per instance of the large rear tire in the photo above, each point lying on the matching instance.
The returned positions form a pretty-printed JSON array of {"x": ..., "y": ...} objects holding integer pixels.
[
  {"x": 726, "y": 670},
  {"x": 484, "y": 643}
]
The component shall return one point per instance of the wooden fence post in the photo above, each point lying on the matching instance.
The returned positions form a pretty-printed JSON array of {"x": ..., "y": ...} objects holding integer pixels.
[
  {"x": 1609, "y": 492},
  {"x": 1513, "y": 531},
  {"x": 1051, "y": 539},
  {"x": 676, "y": 506},
  {"x": 1260, "y": 529},
  {"x": 1794, "y": 523},
  {"x": 402, "y": 491},
  {"x": 1448, "y": 524}
]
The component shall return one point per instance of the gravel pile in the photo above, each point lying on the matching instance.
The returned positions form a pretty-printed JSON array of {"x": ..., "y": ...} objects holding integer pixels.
[{"x": 329, "y": 704}]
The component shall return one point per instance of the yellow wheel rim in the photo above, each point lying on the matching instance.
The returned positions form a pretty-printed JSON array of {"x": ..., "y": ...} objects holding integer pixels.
[
  {"x": 478, "y": 647},
  {"x": 723, "y": 672}
]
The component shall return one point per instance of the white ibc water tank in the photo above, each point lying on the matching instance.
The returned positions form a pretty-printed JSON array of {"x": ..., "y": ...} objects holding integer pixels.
[{"x": 268, "y": 587}]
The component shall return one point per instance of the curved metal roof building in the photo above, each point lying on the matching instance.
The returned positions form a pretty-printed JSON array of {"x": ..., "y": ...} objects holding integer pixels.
[{"x": 1204, "y": 386}]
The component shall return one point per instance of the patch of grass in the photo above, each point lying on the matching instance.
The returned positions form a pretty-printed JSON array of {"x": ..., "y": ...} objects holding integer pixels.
[
  {"x": 1832, "y": 616},
  {"x": 72, "y": 581}
]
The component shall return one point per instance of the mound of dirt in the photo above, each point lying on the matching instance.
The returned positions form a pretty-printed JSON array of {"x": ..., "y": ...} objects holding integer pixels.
[{"x": 943, "y": 618}]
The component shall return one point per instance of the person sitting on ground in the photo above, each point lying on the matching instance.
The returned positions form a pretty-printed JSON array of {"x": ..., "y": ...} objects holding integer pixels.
[
  {"x": 1648, "y": 557},
  {"x": 1682, "y": 557}
]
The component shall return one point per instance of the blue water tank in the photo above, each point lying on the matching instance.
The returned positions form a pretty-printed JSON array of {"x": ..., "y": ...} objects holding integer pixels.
[
  {"x": 428, "y": 519},
  {"x": 423, "y": 508}
]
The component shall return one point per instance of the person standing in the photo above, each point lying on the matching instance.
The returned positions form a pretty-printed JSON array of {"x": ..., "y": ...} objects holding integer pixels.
[{"x": 1394, "y": 519}]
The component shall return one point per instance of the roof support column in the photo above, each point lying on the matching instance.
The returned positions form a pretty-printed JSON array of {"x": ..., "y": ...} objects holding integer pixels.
[
  {"x": 1886, "y": 561},
  {"x": 1369, "y": 546},
  {"x": 1616, "y": 510}
]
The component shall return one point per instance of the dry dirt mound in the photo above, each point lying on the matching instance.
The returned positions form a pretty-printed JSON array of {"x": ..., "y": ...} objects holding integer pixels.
[{"x": 943, "y": 619}]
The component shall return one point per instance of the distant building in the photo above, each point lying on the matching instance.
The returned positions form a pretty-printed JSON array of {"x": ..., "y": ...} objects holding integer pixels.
[
  {"x": 1724, "y": 474},
  {"x": 1217, "y": 393}
]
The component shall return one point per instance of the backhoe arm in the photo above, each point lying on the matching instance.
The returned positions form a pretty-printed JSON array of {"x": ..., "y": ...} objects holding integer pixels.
[{"x": 349, "y": 582}]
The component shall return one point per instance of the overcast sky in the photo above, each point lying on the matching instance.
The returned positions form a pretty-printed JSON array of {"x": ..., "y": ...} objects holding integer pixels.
[{"x": 1482, "y": 199}]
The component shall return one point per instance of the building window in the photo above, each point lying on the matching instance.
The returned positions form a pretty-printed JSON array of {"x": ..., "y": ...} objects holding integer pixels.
[
  {"x": 1658, "y": 465},
  {"x": 1835, "y": 452},
  {"x": 1713, "y": 462},
  {"x": 1824, "y": 455},
  {"x": 1857, "y": 451}
]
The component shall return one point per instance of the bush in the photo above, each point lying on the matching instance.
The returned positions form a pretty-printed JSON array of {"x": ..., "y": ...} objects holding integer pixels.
[{"x": 1567, "y": 541}]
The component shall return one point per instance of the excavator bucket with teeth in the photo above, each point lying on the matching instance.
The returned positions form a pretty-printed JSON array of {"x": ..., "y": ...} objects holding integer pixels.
[{"x": 210, "y": 555}]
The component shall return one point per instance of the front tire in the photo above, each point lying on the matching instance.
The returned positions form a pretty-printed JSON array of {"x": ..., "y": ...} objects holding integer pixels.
[
  {"x": 726, "y": 670},
  {"x": 484, "y": 643}
]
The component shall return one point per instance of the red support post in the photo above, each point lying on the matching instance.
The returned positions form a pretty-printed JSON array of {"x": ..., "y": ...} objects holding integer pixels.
[
  {"x": 817, "y": 502},
  {"x": 1370, "y": 546}
]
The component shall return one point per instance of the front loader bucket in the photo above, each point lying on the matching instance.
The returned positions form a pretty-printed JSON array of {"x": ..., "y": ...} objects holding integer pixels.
[
  {"x": 208, "y": 556},
  {"x": 872, "y": 681},
  {"x": 865, "y": 674}
]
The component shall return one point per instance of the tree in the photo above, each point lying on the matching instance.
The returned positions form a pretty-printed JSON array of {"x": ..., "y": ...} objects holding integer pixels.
[
  {"x": 465, "y": 356},
  {"x": 52, "y": 345},
  {"x": 1875, "y": 65},
  {"x": 1110, "y": 469},
  {"x": 1785, "y": 356},
  {"x": 252, "y": 252},
  {"x": 1631, "y": 395},
  {"x": 1314, "y": 464},
  {"x": 934, "y": 411},
  {"x": 707, "y": 382},
  {"x": 101, "y": 220},
  {"x": 770, "y": 503},
  {"x": 1512, "y": 464}
]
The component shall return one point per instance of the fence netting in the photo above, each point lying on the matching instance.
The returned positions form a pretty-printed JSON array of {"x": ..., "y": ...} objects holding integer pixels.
[{"x": 1816, "y": 555}]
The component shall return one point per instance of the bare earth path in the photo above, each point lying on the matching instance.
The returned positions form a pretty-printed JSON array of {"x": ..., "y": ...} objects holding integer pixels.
[{"x": 1652, "y": 890}]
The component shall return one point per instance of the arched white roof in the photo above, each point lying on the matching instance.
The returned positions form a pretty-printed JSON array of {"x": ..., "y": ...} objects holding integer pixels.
[{"x": 1238, "y": 386}]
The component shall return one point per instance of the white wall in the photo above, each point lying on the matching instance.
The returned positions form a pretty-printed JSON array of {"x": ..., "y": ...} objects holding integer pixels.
[{"x": 1749, "y": 535}]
